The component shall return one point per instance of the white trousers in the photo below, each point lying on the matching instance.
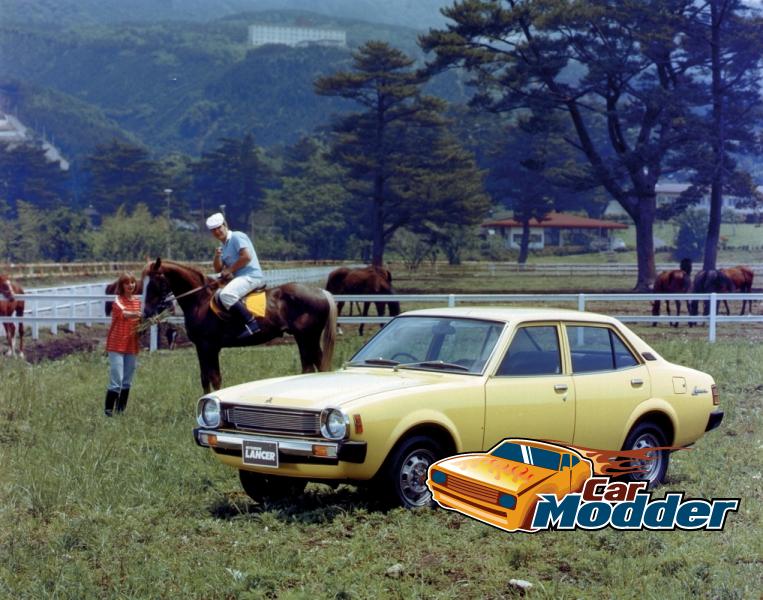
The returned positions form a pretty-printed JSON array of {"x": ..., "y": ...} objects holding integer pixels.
[{"x": 238, "y": 288}]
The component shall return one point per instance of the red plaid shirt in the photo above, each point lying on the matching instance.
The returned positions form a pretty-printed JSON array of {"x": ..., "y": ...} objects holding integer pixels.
[{"x": 123, "y": 335}]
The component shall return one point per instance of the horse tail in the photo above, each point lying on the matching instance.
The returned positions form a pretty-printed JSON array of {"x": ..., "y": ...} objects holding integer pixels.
[{"x": 328, "y": 338}]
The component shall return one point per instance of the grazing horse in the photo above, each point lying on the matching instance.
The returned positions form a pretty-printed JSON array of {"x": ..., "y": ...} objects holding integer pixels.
[
  {"x": 168, "y": 330},
  {"x": 364, "y": 281},
  {"x": 742, "y": 278},
  {"x": 713, "y": 280},
  {"x": 677, "y": 281},
  {"x": 8, "y": 306},
  {"x": 306, "y": 313}
]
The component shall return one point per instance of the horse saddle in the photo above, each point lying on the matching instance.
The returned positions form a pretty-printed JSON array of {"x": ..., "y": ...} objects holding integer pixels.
[{"x": 255, "y": 301}]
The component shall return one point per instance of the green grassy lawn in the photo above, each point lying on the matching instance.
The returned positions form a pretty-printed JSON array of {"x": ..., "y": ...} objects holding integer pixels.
[{"x": 129, "y": 507}]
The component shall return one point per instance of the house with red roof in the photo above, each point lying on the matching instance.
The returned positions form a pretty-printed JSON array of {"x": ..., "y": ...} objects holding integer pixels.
[{"x": 556, "y": 229}]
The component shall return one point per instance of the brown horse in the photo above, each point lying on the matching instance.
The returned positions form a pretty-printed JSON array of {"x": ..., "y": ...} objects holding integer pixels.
[
  {"x": 306, "y": 313},
  {"x": 677, "y": 281},
  {"x": 166, "y": 330},
  {"x": 8, "y": 306},
  {"x": 710, "y": 281},
  {"x": 742, "y": 277},
  {"x": 364, "y": 281}
]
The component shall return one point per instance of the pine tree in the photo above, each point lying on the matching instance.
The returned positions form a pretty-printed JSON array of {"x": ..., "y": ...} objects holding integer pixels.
[
  {"x": 390, "y": 150},
  {"x": 605, "y": 64}
]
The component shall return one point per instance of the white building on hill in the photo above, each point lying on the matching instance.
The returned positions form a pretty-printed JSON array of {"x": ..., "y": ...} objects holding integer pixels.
[{"x": 260, "y": 35}]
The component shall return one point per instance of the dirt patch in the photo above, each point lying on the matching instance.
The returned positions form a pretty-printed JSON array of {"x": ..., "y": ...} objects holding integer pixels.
[
  {"x": 53, "y": 347},
  {"x": 90, "y": 339}
]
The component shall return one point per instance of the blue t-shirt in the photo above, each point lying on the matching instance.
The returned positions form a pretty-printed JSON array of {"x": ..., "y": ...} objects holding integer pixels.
[{"x": 231, "y": 248}]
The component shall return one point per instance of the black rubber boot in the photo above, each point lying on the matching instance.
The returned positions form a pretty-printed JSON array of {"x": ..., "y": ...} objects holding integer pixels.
[
  {"x": 122, "y": 400},
  {"x": 111, "y": 398},
  {"x": 250, "y": 323}
]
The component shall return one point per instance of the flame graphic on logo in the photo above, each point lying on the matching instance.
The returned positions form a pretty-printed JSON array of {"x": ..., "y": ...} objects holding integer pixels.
[
  {"x": 621, "y": 462},
  {"x": 502, "y": 468}
]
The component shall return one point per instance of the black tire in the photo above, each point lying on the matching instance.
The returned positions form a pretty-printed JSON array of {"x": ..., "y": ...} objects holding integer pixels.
[
  {"x": 648, "y": 435},
  {"x": 405, "y": 474},
  {"x": 260, "y": 487}
]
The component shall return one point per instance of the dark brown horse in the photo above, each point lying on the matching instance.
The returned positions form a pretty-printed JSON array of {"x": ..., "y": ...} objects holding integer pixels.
[
  {"x": 677, "y": 281},
  {"x": 710, "y": 281},
  {"x": 166, "y": 329},
  {"x": 9, "y": 306},
  {"x": 306, "y": 313},
  {"x": 742, "y": 277},
  {"x": 364, "y": 281}
]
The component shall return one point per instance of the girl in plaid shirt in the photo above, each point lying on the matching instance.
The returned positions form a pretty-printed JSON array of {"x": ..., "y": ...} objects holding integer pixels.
[{"x": 122, "y": 344}]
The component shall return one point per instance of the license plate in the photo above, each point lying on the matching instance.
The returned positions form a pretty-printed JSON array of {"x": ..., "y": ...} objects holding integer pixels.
[{"x": 261, "y": 454}]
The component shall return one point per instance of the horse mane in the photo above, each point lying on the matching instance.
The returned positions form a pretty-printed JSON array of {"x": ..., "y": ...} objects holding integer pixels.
[{"x": 192, "y": 272}]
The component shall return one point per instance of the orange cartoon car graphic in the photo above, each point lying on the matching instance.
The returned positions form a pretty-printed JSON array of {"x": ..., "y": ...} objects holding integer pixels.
[{"x": 502, "y": 487}]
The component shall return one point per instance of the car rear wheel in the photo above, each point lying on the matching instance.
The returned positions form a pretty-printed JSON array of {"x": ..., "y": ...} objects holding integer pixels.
[
  {"x": 406, "y": 474},
  {"x": 652, "y": 469},
  {"x": 260, "y": 487}
]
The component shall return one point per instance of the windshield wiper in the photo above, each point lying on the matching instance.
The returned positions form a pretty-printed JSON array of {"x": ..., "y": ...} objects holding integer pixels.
[
  {"x": 384, "y": 362},
  {"x": 434, "y": 364}
]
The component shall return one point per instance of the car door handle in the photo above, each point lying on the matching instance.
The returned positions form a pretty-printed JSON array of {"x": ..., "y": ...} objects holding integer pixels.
[
  {"x": 637, "y": 382},
  {"x": 560, "y": 387}
]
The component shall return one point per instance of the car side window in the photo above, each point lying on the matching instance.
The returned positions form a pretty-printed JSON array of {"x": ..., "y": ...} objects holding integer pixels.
[
  {"x": 533, "y": 351},
  {"x": 597, "y": 349}
]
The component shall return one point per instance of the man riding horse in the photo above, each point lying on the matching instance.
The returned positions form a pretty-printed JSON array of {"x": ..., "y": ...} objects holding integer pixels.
[{"x": 236, "y": 258}]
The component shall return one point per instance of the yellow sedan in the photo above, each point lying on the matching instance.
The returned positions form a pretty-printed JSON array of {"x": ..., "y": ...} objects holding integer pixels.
[{"x": 438, "y": 382}]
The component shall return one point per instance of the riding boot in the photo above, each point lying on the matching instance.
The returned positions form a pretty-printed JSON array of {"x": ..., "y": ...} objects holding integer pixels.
[
  {"x": 122, "y": 401},
  {"x": 111, "y": 398},
  {"x": 250, "y": 323}
]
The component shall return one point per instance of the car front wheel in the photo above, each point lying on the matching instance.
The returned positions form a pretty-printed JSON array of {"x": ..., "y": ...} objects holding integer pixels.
[
  {"x": 406, "y": 474},
  {"x": 654, "y": 466}
]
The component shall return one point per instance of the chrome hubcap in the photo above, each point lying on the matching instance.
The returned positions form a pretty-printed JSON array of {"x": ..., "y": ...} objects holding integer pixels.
[
  {"x": 413, "y": 477},
  {"x": 649, "y": 468}
]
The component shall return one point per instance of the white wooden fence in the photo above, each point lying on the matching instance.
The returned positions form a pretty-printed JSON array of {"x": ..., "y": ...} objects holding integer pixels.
[{"x": 65, "y": 309}]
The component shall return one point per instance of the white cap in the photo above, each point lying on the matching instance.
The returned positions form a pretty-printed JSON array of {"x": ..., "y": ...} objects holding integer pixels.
[{"x": 215, "y": 221}]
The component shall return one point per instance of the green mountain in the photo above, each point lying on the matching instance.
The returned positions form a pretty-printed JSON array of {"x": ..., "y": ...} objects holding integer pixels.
[{"x": 178, "y": 86}]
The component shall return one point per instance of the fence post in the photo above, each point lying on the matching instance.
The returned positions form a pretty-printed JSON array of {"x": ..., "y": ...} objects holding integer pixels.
[
  {"x": 451, "y": 300},
  {"x": 72, "y": 312},
  {"x": 153, "y": 338},
  {"x": 581, "y": 302},
  {"x": 36, "y": 324},
  {"x": 711, "y": 326},
  {"x": 54, "y": 324}
]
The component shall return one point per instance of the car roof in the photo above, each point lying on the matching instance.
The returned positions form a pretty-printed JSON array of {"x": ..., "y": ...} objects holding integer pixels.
[{"x": 512, "y": 313}]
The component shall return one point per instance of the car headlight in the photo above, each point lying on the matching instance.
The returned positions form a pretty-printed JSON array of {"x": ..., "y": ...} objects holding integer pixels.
[
  {"x": 334, "y": 424},
  {"x": 438, "y": 477},
  {"x": 507, "y": 501},
  {"x": 208, "y": 412}
]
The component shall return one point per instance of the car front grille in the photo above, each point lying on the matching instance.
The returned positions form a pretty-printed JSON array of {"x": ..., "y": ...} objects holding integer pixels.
[
  {"x": 472, "y": 489},
  {"x": 268, "y": 419}
]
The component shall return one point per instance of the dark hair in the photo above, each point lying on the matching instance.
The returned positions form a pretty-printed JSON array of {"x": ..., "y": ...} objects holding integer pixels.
[{"x": 123, "y": 280}]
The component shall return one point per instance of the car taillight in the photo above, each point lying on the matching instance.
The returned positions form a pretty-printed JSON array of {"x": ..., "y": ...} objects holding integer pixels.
[{"x": 716, "y": 395}]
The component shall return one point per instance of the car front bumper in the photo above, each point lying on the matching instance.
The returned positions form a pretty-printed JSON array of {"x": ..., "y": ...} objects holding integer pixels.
[{"x": 290, "y": 450}]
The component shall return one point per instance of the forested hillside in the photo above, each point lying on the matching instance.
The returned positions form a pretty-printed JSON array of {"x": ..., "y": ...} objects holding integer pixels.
[{"x": 175, "y": 86}]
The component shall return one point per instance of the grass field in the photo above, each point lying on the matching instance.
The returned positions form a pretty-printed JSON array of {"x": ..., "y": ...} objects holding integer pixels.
[{"x": 129, "y": 507}]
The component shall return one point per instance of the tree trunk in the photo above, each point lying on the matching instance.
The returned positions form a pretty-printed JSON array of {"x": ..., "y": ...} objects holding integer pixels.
[
  {"x": 718, "y": 135},
  {"x": 524, "y": 245},
  {"x": 377, "y": 250},
  {"x": 644, "y": 221}
]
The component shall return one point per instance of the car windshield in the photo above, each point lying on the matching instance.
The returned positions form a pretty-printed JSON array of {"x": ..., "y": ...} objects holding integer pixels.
[
  {"x": 529, "y": 455},
  {"x": 432, "y": 343}
]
